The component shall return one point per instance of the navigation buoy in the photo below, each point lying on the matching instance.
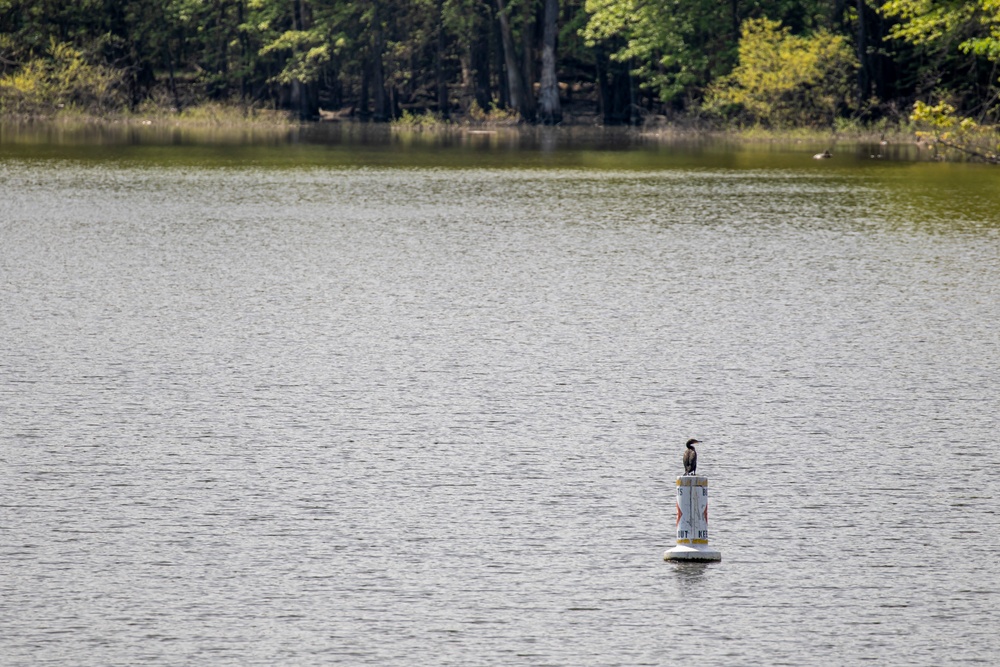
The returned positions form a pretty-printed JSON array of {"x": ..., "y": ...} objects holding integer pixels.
[{"x": 692, "y": 521}]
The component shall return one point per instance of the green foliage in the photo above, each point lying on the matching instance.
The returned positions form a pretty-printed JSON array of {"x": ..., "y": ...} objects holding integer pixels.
[
  {"x": 408, "y": 120},
  {"x": 926, "y": 21},
  {"x": 61, "y": 78},
  {"x": 372, "y": 58},
  {"x": 221, "y": 114},
  {"x": 973, "y": 24},
  {"x": 954, "y": 36},
  {"x": 308, "y": 55},
  {"x": 306, "y": 52},
  {"x": 785, "y": 79},
  {"x": 987, "y": 41},
  {"x": 492, "y": 116},
  {"x": 652, "y": 38},
  {"x": 939, "y": 124}
]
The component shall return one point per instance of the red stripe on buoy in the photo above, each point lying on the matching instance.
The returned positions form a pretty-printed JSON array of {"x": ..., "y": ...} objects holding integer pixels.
[{"x": 678, "y": 514}]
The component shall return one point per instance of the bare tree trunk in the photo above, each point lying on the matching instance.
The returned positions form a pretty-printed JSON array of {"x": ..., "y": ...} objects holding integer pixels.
[
  {"x": 550, "y": 112},
  {"x": 481, "y": 77},
  {"x": 527, "y": 66},
  {"x": 498, "y": 76},
  {"x": 363, "y": 111},
  {"x": 173, "y": 81},
  {"x": 864, "y": 72},
  {"x": 604, "y": 90},
  {"x": 381, "y": 111},
  {"x": 515, "y": 89},
  {"x": 442, "y": 84}
]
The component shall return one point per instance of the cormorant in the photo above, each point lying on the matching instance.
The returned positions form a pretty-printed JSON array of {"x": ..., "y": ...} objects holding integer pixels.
[{"x": 690, "y": 457}]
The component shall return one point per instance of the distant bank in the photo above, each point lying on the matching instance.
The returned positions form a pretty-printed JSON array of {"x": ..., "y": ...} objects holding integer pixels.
[{"x": 229, "y": 123}]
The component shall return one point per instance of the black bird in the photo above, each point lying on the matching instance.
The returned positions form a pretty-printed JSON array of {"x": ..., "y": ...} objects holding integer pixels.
[{"x": 690, "y": 457}]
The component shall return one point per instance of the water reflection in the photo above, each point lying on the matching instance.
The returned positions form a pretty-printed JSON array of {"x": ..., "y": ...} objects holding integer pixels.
[
  {"x": 341, "y": 411},
  {"x": 689, "y": 573},
  {"x": 356, "y": 135}
]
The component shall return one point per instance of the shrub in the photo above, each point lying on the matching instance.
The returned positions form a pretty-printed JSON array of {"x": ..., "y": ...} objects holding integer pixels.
[
  {"x": 940, "y": 125},
  {"x": 493, "y": 117},
  {"x": 786, "y": 79},
  {"x": 418, "y": 121},
  {"x": 62, "y": 78}
]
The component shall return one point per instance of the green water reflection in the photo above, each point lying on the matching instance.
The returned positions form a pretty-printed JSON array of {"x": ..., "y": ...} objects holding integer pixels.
[
  {"x": 348, "y": 144},
  {"x": 914, "y": 191}
]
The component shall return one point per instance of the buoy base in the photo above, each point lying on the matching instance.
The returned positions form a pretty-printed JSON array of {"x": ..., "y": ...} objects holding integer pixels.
[{"x": 696, "y": 553}]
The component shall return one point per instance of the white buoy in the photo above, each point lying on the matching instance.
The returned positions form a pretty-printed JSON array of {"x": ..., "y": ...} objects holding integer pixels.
[{"x": 692, "y": 521}]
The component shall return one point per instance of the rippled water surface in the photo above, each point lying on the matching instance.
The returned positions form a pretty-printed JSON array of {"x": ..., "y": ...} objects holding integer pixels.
[{"x": 348, "y": 414}]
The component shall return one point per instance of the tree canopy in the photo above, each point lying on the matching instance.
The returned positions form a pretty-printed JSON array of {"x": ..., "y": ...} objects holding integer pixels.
[{"x": 612, "y": 61}]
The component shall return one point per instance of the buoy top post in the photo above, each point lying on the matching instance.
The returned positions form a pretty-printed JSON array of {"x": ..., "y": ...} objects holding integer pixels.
[{"x": 692, "y": 521}]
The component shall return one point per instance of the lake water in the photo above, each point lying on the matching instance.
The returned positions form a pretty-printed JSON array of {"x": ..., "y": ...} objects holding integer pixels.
[{"x": 388, "y": 404}]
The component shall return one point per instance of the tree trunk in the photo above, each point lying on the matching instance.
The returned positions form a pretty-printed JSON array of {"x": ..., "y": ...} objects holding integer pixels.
[
  {"x": 382, "y": 111},
  {"x": 864, "y": 72},
  {"x": 603, "y": 89},
  {"x": 527, "y": 67},
  {"x": 515, "y": 89},
  {"x": 173, "y": 81},
  {"x": 549, "y": 111},
  {"x": 481, "y": 76},
  {"x": 498, "y": 74},
  {"x": 442, "y": 84},
  {"x": 363, "y": 111}
]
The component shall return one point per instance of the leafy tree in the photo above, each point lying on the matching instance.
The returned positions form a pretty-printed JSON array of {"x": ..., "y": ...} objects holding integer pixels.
[
  {"x": 517, "y": 93},
  {"x": 379, "y": 58},
  {"x": 301, "y": 41},
  {"x": 788, "y": 79},
  {"x": 974, "y": 24},
  {"x": 652, "y": 36},
  {"x": 960, "y": 41},
  {"x": 468, "y": 23},
  {"x": 987, "y": 40}
]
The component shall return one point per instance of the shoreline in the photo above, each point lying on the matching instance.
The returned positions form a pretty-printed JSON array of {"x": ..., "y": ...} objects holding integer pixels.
[
  {"x": 659, "y": 130},
  {"x": 229, "y": 125},
  {"x": 224, "y": 117}
]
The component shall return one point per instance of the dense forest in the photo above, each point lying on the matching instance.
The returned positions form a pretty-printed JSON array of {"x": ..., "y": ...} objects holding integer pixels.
[{"x": 769, "y": 62}]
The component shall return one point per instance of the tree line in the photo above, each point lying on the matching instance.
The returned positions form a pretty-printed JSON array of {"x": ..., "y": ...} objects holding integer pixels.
[{"x": 773, "y": 62}]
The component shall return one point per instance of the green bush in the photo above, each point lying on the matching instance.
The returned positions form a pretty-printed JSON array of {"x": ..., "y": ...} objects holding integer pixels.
[
  {"x": 941, "y": 125},
  {"x": 61, "y": 79},
  {"x": 784, "y": 79},
  {"x": 491, "y": 117},
  {"x": 417, "y": 121}
]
